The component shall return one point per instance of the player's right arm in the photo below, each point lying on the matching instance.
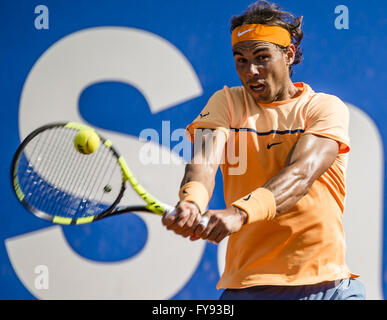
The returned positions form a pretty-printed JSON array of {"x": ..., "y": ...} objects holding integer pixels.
[{"x": 208, "y": 150}]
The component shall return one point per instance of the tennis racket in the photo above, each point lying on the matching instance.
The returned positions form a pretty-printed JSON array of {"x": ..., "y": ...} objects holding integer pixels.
[{"x": 59, "y": 184}]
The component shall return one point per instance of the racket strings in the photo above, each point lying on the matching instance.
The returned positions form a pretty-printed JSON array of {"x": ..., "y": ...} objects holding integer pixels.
[
  {"x": 51, "y": 163},
  {"x": 88, "y": 203},
  {"x": 67, "y": 201},
  {"x": 36, "y": 187},
  {"x": 61, "y": 174},
  {"x": 41, "y": 148},
  {"x": 77, "y": 174},
  {"x": 109, "y": 171},
  {"x": 28, "y": 172},
  {"x": 59, "y": 180},
  {"x": 55, "y": 163}
]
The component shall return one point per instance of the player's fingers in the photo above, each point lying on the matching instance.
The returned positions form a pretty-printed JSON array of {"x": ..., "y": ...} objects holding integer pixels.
[
  {"x": 168, "y": 221},
  {"x": 194, "y": 238},
  {"x": 216, "y": 231},
  {"x": 169, "y": 218},
  {"x": 201, "y": 226},
  {"x": 182, "y": 219},
  {"x": 193, "y": 221},
  {"x": 210, "y": 226},
  {"x": 221, "y": 236},
  {"x": 190, "y": 226}
]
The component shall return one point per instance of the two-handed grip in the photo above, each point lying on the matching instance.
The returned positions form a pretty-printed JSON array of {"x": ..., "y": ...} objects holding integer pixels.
[{"x": 172, "y": 211}]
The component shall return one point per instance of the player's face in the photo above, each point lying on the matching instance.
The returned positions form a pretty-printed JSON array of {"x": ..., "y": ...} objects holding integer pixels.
[{"x": 263, "y": 69}]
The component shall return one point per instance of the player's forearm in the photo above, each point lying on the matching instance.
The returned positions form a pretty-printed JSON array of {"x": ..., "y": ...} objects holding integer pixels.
[
  {"x": 205, "y": 161},
  {"x": 311, "y": 157},
  {"x": 205, "y": 174},
  {"x": 276, "y": 196},
  {"x": 289, "y": 186},
  {"x": 308, "y": 160}
]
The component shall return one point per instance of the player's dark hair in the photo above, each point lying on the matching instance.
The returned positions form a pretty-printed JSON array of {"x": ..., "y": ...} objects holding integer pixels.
[{"x": 265, "y": 12}]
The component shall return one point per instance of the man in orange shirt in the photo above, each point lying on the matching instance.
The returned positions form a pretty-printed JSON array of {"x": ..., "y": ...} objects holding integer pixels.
[{"x": 285, "y": 194}]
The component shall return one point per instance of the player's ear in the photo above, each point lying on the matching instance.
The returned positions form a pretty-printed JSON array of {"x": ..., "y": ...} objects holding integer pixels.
[{"x": 290, "y": 54}]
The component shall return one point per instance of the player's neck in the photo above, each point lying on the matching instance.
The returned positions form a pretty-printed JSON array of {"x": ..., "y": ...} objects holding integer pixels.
[{"x": 288, "y": 91}]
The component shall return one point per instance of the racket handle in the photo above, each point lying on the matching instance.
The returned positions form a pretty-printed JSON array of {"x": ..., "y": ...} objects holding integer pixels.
[
  {"x": 204, "y": 221},
  {"x": 169, "y": 210}
]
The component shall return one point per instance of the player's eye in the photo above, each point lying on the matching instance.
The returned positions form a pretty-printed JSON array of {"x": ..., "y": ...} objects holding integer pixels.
[
  {"x": 263, "y": 57},
  {"x": 241, "y": 60}
]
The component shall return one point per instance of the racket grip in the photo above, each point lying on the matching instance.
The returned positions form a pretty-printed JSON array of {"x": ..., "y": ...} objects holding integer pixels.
[
  {"x": 172, "y": 211},
  {"x": 204, "y": 221},
  {"x": 169, "y": 210}
]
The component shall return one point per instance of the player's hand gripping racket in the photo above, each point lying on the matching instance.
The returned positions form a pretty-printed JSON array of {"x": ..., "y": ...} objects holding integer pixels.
[{"x": 54, "y": 180}]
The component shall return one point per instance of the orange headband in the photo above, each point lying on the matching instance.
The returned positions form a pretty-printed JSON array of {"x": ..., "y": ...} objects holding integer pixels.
[{"x": 261, "y": 32}]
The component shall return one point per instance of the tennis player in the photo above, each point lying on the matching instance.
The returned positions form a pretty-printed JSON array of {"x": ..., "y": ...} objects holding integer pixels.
[{"x": 283, "y": 212}]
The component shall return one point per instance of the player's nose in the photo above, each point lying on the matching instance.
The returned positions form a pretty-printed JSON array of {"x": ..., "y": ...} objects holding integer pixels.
[{"x": 252, "y": 70}]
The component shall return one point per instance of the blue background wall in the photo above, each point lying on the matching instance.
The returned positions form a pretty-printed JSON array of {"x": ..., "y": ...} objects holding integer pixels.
[{"x": 348, "y": 63}]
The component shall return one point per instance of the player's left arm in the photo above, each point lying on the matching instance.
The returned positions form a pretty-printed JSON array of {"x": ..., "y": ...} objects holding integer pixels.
[{"x": 310, "y": 157}]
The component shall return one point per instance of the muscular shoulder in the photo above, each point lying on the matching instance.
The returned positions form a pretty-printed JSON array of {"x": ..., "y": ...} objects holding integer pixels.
[
  {"x": 326, "y": 102},
  {"x": 328, "y": 116}
]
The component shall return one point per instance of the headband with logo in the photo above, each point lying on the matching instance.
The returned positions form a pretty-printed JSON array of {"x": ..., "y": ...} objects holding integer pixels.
[{"x": 261, "y": 32}]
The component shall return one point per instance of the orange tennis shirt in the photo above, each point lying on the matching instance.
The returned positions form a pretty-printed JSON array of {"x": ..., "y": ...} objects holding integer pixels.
[{"x": 306, "y": 244}]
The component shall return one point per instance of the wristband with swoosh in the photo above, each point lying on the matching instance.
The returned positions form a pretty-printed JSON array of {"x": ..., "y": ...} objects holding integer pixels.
[{"x": 259, "y": 205}]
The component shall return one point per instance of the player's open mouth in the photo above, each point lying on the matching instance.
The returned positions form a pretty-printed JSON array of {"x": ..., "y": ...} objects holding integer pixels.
[{"x": 258, "y": 88}]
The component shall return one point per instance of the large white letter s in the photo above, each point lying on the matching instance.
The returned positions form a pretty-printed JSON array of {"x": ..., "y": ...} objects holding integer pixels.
[{"x": 51, "y": 93}]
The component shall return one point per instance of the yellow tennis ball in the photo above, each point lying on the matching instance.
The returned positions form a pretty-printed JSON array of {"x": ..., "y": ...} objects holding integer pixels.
[{"x": 86, "y": 141}]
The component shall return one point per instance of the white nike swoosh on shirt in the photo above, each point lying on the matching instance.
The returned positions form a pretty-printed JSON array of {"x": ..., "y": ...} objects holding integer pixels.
[{"x": 243, "y": 32}]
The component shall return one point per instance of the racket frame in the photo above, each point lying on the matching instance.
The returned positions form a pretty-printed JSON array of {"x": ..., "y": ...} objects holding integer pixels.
[{"x": 152, "y": 204}]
